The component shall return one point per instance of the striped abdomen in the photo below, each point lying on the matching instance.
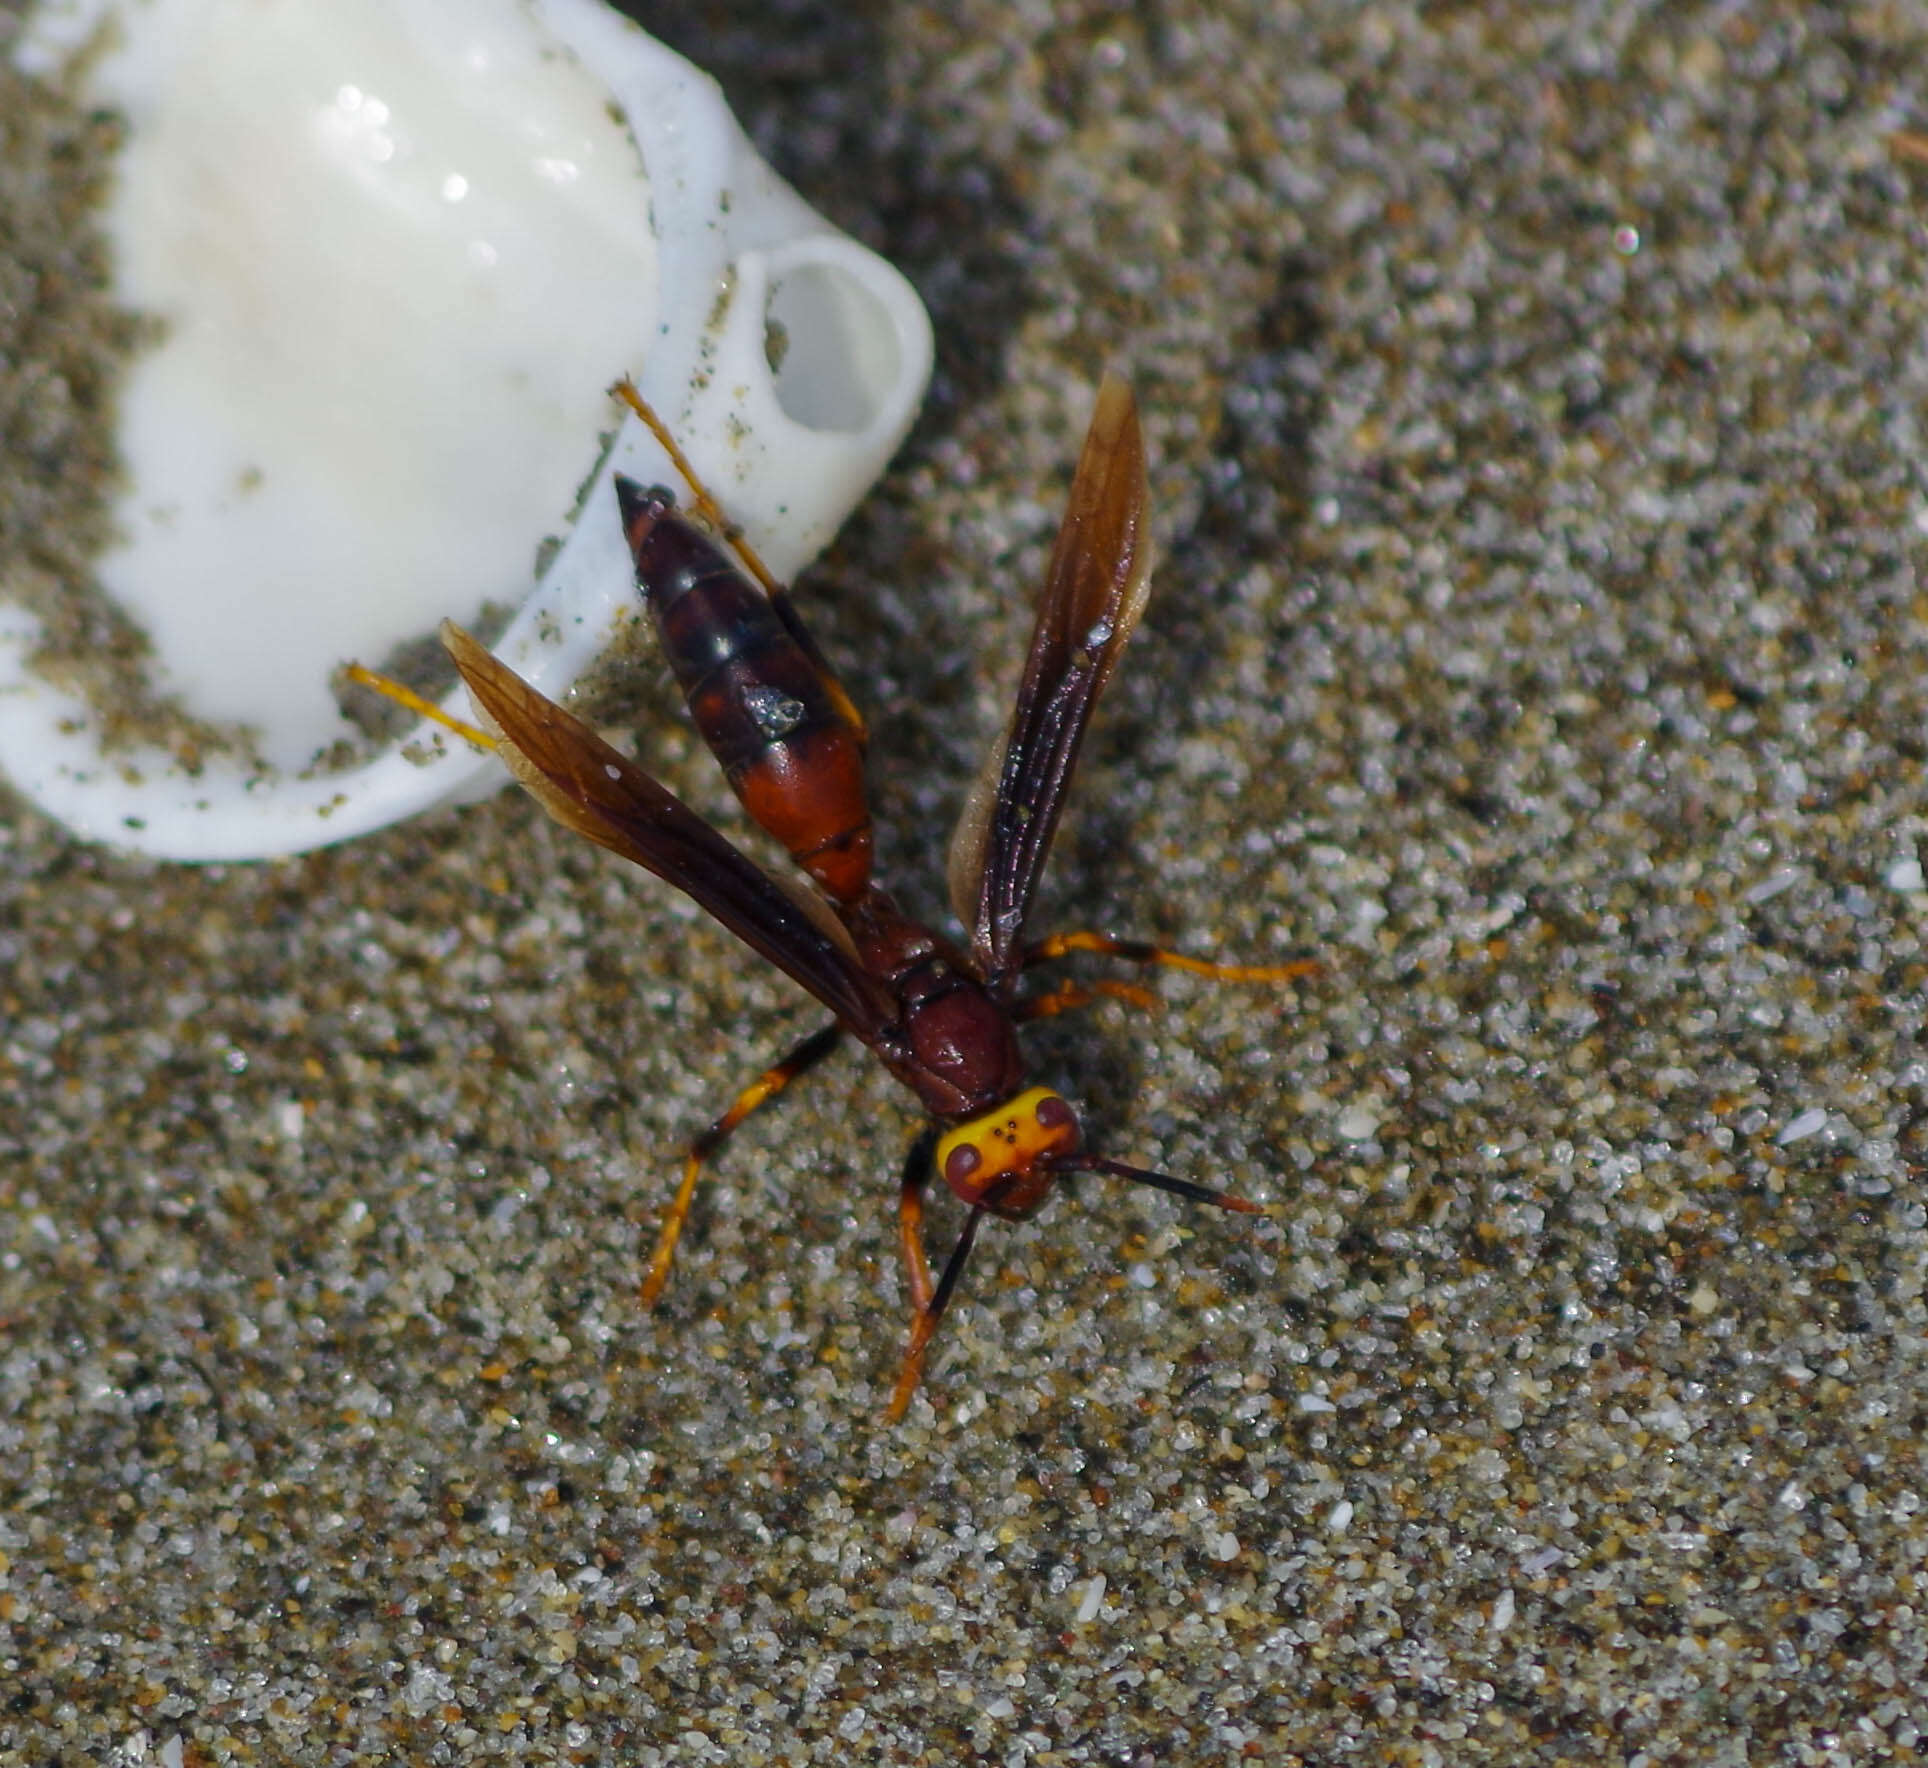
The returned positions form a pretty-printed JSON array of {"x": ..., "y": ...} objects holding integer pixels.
[{"x": 787, "y": 737}]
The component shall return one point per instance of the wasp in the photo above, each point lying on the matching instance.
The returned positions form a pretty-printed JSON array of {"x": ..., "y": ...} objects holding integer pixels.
[{"x": 941, "y": 1017}]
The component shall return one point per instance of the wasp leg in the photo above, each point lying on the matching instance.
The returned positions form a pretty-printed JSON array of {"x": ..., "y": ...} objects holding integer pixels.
[
  {"x": 917, "y": 1270},
  {"x": 766, "y": 1086},
  {"x": 1136, "y": 951},
  {"x": 705, "y": 505},
  {"x": 711, "y": 511},
  {"x": 1081, "y": 994},
  {"x": 928, "y": 1301},
  {"x": 407, "y": 697}
]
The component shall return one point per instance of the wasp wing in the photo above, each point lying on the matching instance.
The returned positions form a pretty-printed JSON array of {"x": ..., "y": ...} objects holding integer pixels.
[
  {"x": 602, "y": 795},
  {"x": 1093, "y": 595}
]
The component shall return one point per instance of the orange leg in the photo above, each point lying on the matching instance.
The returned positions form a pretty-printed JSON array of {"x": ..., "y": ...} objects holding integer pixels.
[
  {"x": 706, "y": 506},
  {"x": 711, "y": 511},
  {"x": 1081, "y": 994},
  {"x": 928, "y": 1301},
  {"x": 1136, "y": 951},
  {"x": 409, "y": 698},
  {"x": 766, "y": 1086}
]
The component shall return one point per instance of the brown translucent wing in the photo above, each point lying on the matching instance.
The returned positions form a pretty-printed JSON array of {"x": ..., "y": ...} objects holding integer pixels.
[
  {"x": 602, "y": 795},
  {"x": 1093, "y": 594}
]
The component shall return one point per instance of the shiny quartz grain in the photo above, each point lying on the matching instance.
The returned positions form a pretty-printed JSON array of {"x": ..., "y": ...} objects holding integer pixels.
[{"x": 1537, "y": 639}]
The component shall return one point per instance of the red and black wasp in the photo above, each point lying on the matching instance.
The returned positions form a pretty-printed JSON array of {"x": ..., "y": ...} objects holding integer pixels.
[{"x": 941, "y": 1018}]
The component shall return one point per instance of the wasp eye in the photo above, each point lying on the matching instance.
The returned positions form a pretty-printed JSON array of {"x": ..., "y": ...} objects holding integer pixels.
[{"x": 960, "y": 1163}]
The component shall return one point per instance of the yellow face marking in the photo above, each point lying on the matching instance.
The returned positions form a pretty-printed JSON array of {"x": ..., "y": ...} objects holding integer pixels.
[{"x": 999, "y": 1153}]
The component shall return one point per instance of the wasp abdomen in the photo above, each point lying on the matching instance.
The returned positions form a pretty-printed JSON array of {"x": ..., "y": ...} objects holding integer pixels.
[{"x": 781, "y": 728}]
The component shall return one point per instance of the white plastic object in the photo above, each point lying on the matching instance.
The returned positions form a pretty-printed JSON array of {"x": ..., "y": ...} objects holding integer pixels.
[{"x": 402, "y": 247}]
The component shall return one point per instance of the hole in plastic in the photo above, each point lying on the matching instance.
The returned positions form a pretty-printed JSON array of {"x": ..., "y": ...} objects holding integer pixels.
[{"x": 834, "y": 347}]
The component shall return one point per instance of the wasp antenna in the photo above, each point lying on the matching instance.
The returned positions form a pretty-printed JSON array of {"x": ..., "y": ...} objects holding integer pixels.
[
  {"x": 1097, "y": 1163},
  {"x": 954, "y": 1265}
]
